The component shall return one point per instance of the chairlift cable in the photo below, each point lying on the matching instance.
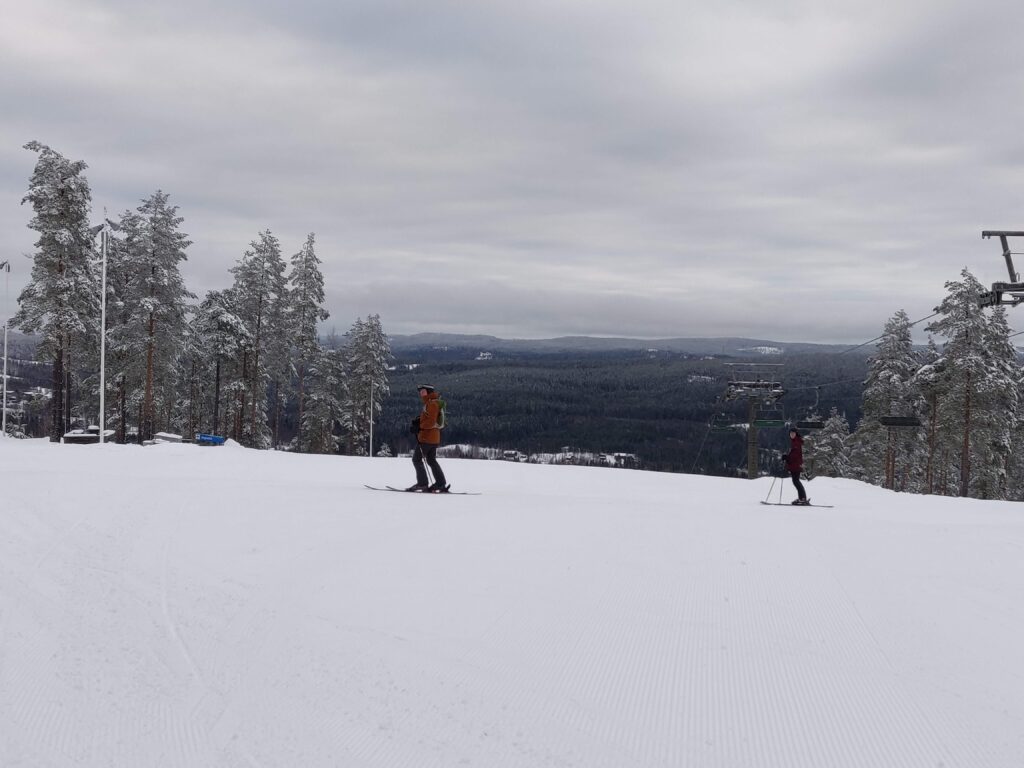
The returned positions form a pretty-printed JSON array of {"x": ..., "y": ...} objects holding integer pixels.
[
  {"x": 878, "y": 338},
  {"x": 700, "y": 450}
]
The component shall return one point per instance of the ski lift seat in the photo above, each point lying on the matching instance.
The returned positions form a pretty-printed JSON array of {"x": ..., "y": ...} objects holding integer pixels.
[
  {"x": 899, "y": 421},
  {"x": 722, "y": 423},
  {"x": 810, "y": 425}
]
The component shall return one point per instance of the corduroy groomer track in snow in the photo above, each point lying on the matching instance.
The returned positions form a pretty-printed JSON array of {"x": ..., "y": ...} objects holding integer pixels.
[{"x": 184, "y": 606}]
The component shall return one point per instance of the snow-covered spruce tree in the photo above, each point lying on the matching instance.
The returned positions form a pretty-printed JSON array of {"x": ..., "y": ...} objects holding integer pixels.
[
  {"x": 828, "y": 451},
  {"x": 221, "y": 338},
  {"x": 325, "y": 400},
  {"x": 880, "y": 455},
  {"x": 259, "y": 288},
  {"x": 61, "y": 301},
  {"x": 368, "y": 355},
  {"x": 307, "y": 312},
  {"x": 966, "y": 365}
]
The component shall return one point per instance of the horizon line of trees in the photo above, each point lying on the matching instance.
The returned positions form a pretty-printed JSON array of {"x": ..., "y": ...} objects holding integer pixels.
[{"x": 232, "y": 364}]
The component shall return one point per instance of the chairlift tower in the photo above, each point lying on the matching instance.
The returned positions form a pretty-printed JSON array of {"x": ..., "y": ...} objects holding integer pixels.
[
  {"x": 759, "y": 385},
  {"x": 1011, "y": 292}
]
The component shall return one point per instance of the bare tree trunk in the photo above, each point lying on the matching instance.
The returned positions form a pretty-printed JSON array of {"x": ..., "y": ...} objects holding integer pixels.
[
  {"x": 216, "y": 399},
  {"x": 192, "y": 400},
  {"x": 931, "y": 444},
  {"x": 122, "y": 436},
  {"x": 67, "y": 388},
  {"x": 256, "y": 371},
  {"x": 965, "y": 461},
  {"x": 302, "y": 404},
  {"x": 277, "y": 412},
  {"x": 240, "y": 419},
  {"x": 57, "y": 400},
  {"x": 890, "y": 462},
  {"x": 146, "y": 427}
]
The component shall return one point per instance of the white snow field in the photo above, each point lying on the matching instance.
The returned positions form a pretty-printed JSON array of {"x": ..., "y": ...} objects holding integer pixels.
[{"x": 184, "y": 606}]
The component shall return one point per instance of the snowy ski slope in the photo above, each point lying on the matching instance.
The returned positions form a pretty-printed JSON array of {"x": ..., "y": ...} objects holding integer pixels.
[{"x": 193, "y": 607}]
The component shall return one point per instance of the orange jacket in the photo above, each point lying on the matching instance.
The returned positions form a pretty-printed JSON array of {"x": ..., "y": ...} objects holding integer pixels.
[{"x": 429, "y": 432}]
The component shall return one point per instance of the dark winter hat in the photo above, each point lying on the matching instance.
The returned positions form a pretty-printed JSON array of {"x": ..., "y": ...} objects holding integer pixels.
[{"x": 424, "y": 386}]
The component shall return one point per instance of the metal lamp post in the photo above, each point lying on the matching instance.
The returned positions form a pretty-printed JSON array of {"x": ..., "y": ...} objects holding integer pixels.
[{"x": 103, "y": 336}]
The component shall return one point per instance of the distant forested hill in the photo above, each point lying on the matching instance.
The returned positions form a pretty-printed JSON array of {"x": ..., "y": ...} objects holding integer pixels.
[{"x": 655, "y": 404}]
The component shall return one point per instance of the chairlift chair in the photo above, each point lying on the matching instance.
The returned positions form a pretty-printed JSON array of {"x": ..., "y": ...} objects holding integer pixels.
[
  {"x": 722, "y": 423},
  {"x": 772, "y": 416},
  {"x": 809, "y": 425},
  {"x": 811, "y": 421},
  {"x": 897, "y": 422}
]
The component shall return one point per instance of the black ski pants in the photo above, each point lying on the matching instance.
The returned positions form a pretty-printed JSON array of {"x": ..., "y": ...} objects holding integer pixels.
[
  {"x": 799, "y": 486},
  {"x": 428, "y": 452}
]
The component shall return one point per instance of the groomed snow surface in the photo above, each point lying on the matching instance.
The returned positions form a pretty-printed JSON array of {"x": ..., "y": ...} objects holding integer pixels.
[{"x": 184, "y": 606}]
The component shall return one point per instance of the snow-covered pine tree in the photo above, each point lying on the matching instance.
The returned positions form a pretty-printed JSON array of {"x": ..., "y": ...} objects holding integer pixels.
[
  {"x": 998, "y": 410},
  {"x": 61, "y": 301},
  {"x": 965, "y": 366},
  {"x": 880, "y": 455},
  {"x": 307, "y": 312},
  {"x": 125, "y": 358},
  {"x": 259, "y": 287},
  {"x": 1015, "y": 468},
  {"x": 146, "y": 318},
  {"x": 930, "y": 382},
  {"x": 325, "y": 400},
  {"x": 368, "y": 354},
  {"x": 161, "y": 305},
  {"x": 278, "y": 359},
  {"x": 829, "y": 451}
]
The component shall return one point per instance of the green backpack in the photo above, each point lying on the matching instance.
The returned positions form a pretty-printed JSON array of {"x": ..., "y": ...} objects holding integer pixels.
[{"x": 442, "y": 417}]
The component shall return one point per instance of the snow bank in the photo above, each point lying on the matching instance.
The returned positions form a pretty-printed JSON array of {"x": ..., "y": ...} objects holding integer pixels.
[{"x": 185, "y": 606}]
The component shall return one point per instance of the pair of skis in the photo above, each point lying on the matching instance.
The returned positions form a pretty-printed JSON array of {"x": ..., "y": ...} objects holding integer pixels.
[
  {"x": 427, "y": 493},
  {"x": 784, "y": 504}
]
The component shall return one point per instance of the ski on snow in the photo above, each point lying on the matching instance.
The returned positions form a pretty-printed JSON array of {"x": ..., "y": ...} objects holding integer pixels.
[
  {"x": 425, "y": 493},
  {"x": 784, "y": 504}
]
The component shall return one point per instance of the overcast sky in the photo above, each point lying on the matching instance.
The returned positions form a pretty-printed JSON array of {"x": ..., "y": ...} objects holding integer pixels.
[{"x": 770, "y": 168}]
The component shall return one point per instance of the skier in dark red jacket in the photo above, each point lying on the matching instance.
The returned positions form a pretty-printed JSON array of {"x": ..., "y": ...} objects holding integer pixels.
[{"x": 795, "y": 463}]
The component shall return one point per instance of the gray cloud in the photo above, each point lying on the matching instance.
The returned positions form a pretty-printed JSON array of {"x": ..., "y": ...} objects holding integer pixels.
[{"x": 790, "y": 169}]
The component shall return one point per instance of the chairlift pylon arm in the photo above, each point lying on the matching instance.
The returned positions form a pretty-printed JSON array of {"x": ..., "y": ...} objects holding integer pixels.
[{"x": 1002, "y": 235}]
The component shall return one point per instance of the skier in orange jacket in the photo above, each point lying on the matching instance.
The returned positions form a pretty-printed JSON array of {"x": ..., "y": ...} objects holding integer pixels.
[{"x": 428, "y": 440}]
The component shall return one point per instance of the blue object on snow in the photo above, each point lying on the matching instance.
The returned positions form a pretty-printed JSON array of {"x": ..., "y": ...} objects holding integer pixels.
[{"x": 202, "y": 439}]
